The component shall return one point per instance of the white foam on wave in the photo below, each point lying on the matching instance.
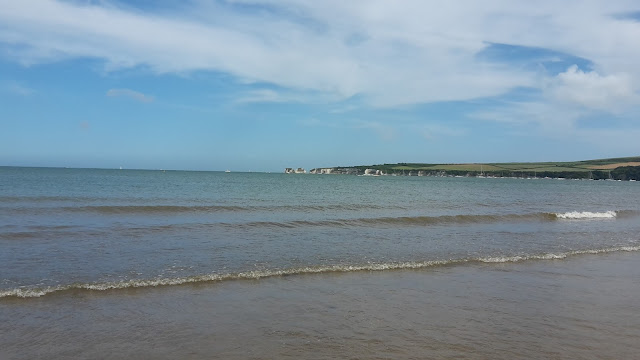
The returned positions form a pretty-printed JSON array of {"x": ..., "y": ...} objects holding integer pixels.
[
  {"x": 587, "y": 215},
  {"x": 508, "y": 259},
  {"x": 248, "y": 275},
  {"x": 556, "y": 256},
  {"x": 25, "y": 292}
]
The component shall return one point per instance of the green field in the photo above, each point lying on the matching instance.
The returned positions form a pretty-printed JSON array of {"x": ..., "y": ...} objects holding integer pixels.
[{"x": 594, "y": 169}]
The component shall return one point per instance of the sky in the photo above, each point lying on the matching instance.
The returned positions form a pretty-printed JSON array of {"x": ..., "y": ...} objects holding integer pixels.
[{"x": 260, "y": 85}]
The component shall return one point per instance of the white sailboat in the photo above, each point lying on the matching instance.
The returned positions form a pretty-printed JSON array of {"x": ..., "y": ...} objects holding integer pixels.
[{"x": 481, "y": 172}]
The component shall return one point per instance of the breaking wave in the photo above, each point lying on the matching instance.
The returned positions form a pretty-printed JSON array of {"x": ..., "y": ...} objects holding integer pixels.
[
  {"x": 29, "y": 292},
  {"x": 587, "y": 215},
  {"x": 437, "y": 220},
  {"x": 312, "y": 208},
  {"x": 402, "y": 221}
]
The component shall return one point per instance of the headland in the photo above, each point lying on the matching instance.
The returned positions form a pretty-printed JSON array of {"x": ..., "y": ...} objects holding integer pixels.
[{"x": 626, "y": 168}]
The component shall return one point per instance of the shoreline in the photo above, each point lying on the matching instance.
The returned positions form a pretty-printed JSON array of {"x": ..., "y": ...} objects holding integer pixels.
[{"x": 484, "y": 311}]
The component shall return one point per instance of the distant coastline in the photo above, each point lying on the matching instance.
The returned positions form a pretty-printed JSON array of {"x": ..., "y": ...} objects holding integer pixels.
[{"x": 627, "y": 168}]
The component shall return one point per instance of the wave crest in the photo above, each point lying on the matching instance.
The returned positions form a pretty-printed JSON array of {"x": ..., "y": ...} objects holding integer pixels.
[
  {"x": 587, "y": 215},
  {"x": 25, "y": 292}
]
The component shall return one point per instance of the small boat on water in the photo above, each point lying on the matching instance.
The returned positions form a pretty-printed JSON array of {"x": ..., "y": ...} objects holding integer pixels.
[{"x": 227, "y": 171}]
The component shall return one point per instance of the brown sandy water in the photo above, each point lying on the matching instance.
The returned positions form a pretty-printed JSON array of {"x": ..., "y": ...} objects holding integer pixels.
[{"x": 581, "y": 307}]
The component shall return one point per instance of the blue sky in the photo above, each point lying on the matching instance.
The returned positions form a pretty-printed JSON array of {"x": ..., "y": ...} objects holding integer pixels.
[{"x": 262, "y": 84}]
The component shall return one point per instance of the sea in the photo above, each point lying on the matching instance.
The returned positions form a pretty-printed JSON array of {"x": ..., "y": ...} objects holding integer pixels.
[{"x": 142, "y": 264}]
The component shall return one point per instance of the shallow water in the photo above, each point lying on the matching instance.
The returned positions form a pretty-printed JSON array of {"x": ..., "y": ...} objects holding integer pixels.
[
  {"x": 584, "y": 307},
  {"x": 112, "y": 264}
]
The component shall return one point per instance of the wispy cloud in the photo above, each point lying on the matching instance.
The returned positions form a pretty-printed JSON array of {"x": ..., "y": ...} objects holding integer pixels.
[
  {"x": 564, "y": 101},
  {"x": 405, "y": 54},
  {"x": 388, "y": 54},
  {"x": 18, "y": 89},
  {"x": 384, "y": 131},
  {"x": 283, "y": 96},
  {"x": 345, "y": 109},
  {"x": 135, "y": 95},
  {"x": 610, "y": 142},
  {"x": 436, "y": 131},
  {"x": 264, "y": 95},
  {"x": 542, "y": 116}
]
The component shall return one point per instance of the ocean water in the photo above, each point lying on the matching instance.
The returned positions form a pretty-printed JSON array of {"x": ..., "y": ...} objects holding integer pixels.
[{"x": 175, "y": 264}]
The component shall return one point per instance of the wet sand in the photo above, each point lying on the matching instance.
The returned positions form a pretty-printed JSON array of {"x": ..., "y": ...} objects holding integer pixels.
[{"x": 584, "y": 307}]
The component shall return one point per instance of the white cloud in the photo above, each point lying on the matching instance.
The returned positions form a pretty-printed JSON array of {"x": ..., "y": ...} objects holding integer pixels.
[
  {"x": 389, "y": 53},
  {"x": 592, "y": 90},
  {"x": 135, "y": 95},
  {"x": 567, "y": 99}
]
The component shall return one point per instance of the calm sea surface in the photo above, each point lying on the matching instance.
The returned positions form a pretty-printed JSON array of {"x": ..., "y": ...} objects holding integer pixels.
[{"x": 154, "y": 264}]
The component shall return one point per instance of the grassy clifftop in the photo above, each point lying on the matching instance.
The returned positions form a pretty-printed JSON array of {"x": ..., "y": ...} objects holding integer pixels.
[{"x": 620, "y": 168}]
